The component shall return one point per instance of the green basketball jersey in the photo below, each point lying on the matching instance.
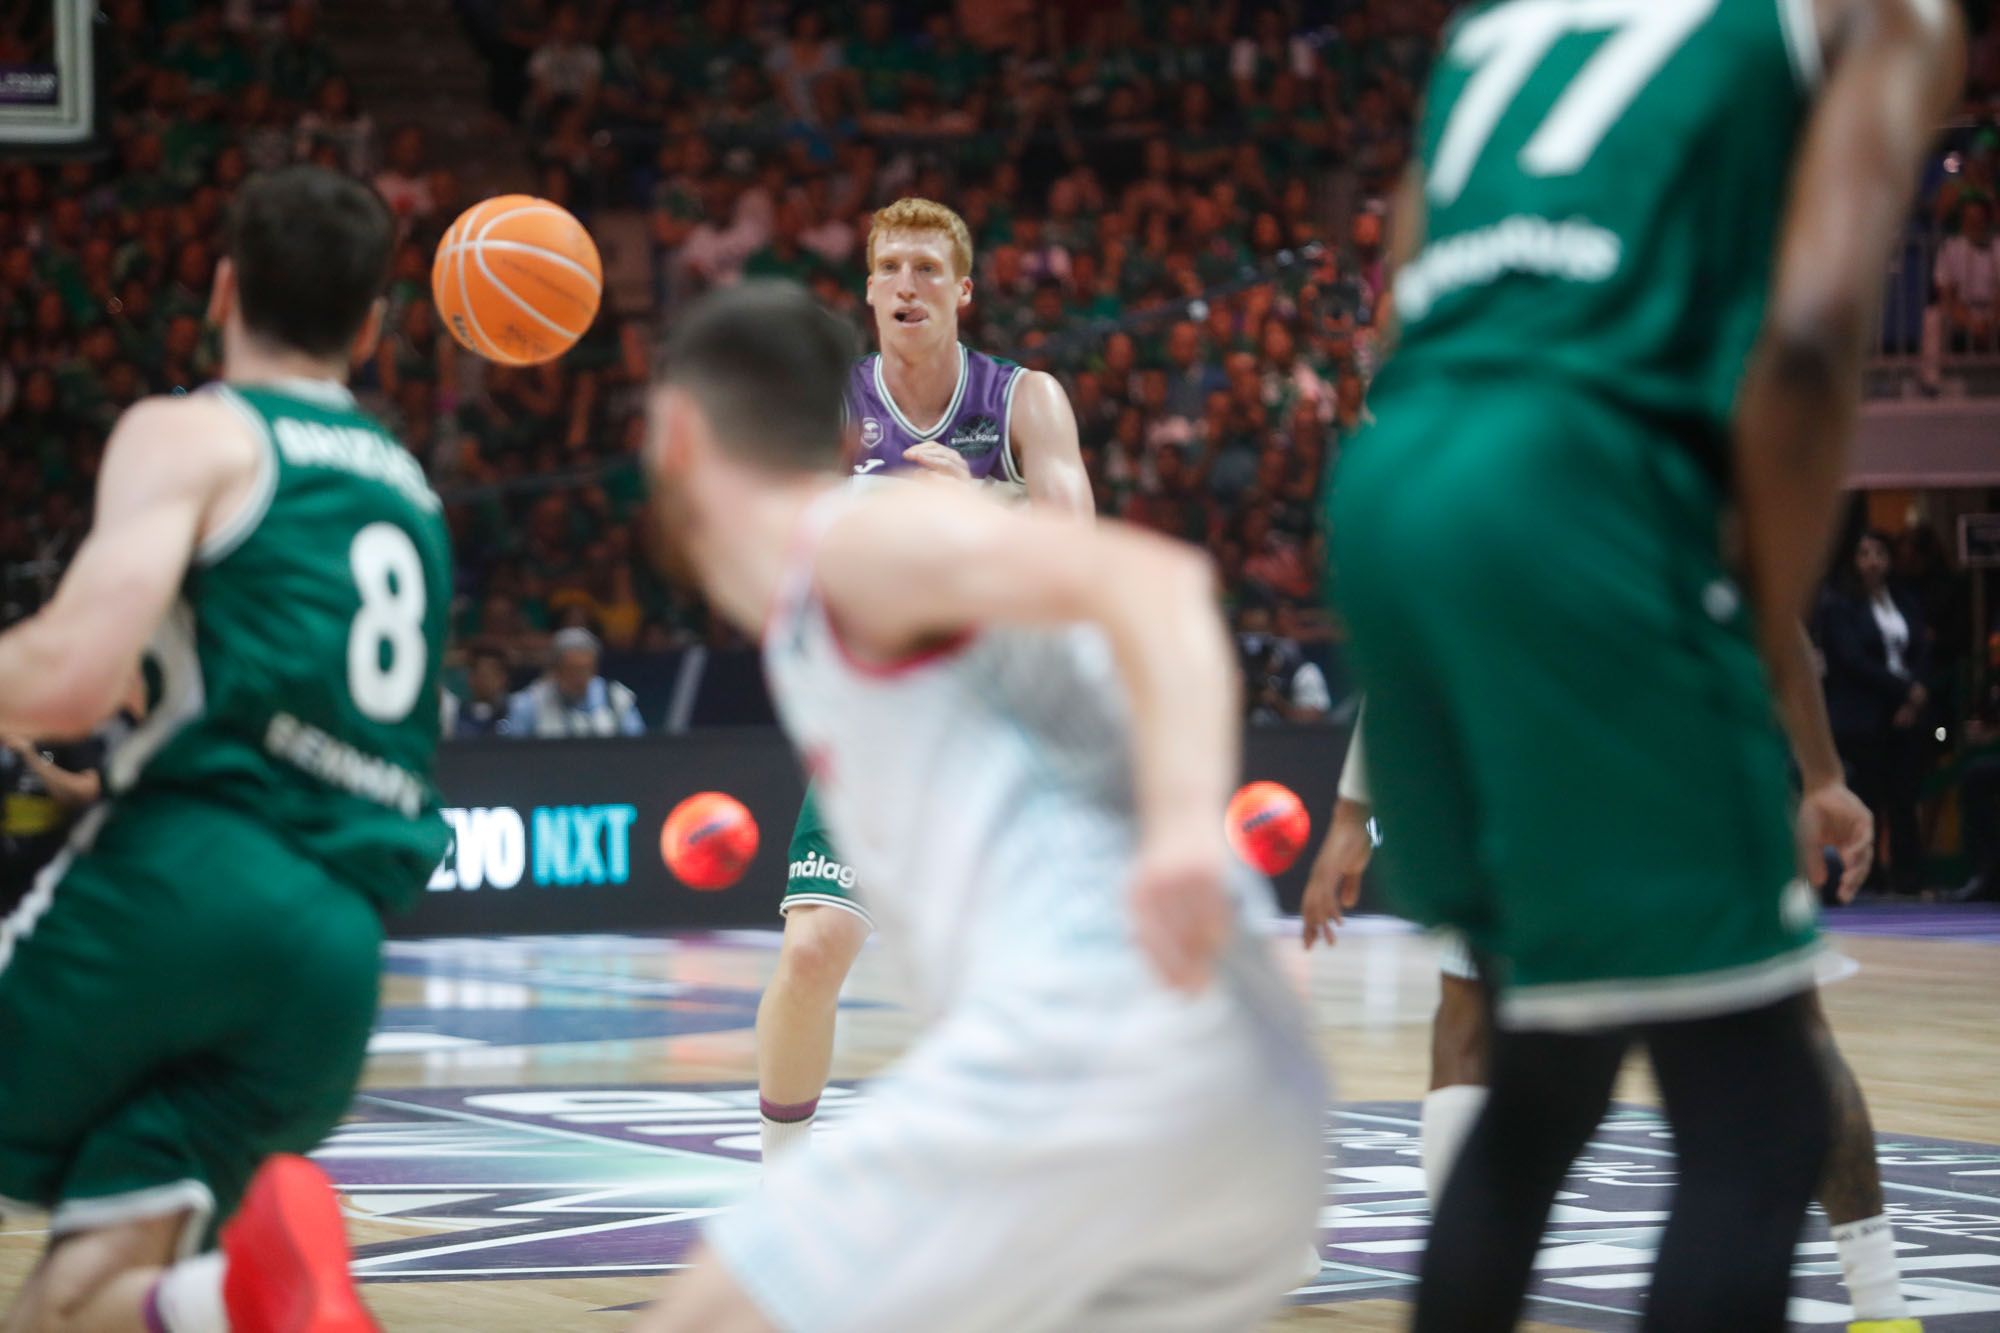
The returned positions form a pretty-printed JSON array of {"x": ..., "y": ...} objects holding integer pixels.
[
  {"x": 1604, "y": 182},
  {"x": 297, "y": 677}
]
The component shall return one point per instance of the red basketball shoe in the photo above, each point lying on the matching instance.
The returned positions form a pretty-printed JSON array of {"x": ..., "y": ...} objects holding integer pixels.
[{"x": 287, "y": 1256}]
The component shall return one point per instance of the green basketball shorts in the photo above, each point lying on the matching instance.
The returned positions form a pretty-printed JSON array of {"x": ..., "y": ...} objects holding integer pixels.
[
  {"x": 182, "y": 994},
  {"x": 1571, "y": 740},
  {"x": 816, "y": 876}
]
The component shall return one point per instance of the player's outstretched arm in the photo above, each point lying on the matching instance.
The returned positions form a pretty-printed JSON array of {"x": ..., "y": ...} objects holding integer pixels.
[
  {"x": 65, "y": 669},
  {"x": 902, "y": 570},
  {"x": 1897, "y": 66},
  {"x": 1047, "y": 448}
]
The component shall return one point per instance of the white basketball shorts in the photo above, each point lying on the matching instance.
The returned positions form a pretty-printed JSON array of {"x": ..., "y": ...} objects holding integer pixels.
[{"x": 1103, "y": 1155}]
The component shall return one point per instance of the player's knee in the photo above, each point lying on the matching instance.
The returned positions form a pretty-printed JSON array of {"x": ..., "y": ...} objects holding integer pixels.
[{"x": 820, "y": 946}]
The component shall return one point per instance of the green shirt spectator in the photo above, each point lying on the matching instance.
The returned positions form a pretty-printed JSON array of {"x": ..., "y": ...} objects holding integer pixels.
[
  {"x": 789, "y": 262},
  {"x": 785, "y": 257},
  {"x": 188, "y": 148},
  {"x": 957, "y": 68},
  {"x": 300, "y": 68},
  {"x": 704, "y": 58},
  {"x": 880, "y": 59},
  {"x": 213, "y": 60},
  {"x": 639, "y": 73}
]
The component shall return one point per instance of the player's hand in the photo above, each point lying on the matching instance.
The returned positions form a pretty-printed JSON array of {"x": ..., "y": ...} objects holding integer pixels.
[
  {"x": 1833, "y": 816},
  {"x": 1334, "y": 882},
  {"x": 1180, "y": 905},
  {"x": 940, "y": 459},
  {"x": 20, "y": 745}
]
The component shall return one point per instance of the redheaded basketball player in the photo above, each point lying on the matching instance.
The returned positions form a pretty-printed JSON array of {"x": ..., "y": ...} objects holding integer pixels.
[{"x": 925, "y": 403}]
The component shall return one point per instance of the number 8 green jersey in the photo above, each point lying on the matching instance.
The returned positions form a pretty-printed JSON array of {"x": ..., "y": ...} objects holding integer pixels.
[
  {"x": 1604, "y": 182},
  {"x": 297, "y": 677}
]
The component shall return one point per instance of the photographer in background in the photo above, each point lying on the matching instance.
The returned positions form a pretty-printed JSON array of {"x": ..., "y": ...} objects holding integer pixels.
[
  {"x": 1279, "y": 683},
  {"x": 483, "y": 711}
]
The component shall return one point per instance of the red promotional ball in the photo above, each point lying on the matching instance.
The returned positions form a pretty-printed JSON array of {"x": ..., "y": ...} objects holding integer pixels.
[
  {"x": 1267, "y": 826},
  {"x": 708, "y": 839}
]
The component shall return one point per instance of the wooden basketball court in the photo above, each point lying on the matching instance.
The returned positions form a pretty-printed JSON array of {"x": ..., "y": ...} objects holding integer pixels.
[{"x": 545, "y": 1122}]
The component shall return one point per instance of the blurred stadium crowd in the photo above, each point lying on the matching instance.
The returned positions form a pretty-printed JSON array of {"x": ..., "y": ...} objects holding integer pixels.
[
  {"x": 1149, "y": 199},
  {"x": 1178, "y": 210}
]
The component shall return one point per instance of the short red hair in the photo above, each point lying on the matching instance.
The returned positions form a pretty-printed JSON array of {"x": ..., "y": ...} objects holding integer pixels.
[{"x": 913, "y": 214}]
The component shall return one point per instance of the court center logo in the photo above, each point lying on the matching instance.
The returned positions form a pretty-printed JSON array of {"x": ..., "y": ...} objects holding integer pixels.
[{"x": 527, "y": 1183}]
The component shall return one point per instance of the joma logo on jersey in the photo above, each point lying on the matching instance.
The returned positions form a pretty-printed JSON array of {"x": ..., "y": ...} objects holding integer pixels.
[
  {"x": 979, "y": 436},
  {"x": 815, "y": 866},
  {"x": 571, "y": 844}
]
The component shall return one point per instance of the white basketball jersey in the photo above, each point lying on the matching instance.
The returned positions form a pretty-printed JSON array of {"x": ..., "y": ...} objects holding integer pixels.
[{"x": 983, "y": 791}]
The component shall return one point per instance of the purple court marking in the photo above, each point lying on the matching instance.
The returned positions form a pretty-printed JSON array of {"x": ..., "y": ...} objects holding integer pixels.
[
  {"x": 539, "y": 1183},
  {"x": 1969, "y": 923}
]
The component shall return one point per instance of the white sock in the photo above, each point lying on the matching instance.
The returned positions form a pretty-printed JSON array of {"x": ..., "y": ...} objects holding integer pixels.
[
  {"x": 779, "y": 1137},
  {"x": 1446, "y": 1119},
  {"x": 188, "y": 1296},
  {"x": 1868, "y": 1261}
]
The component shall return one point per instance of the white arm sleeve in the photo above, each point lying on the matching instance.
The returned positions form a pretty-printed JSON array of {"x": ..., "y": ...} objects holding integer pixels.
[{"x": 1354, "y": 773}]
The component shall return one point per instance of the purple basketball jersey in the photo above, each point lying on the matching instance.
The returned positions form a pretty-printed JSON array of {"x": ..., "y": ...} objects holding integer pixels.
[{"x": 975, "y": 424}]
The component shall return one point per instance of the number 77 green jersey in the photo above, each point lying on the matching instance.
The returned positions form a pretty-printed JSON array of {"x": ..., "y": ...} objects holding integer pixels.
[
  {"x": 1604, "y": 182},
  {"x": 296, "y": 678}
]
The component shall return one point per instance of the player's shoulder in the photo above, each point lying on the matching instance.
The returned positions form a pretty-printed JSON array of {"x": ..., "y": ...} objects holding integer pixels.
[
  {"x": 1000, "y": 364},
  {"x": 203, "y": 427},
  {"x": 172, "y": 409},
  {"x": 178, "y": 443}
]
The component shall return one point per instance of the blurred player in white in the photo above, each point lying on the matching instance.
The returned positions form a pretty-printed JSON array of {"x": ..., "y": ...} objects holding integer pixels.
[{"x": 1024, "y": 731}]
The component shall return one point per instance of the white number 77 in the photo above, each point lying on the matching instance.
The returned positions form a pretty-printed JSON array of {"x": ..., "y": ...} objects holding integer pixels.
[{"x": 1509, "y": 42}]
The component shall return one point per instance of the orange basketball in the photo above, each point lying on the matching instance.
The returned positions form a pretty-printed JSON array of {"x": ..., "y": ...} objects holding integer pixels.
[
  {"x": 708, "y": 839},
  {"x": 517, "y": 279},
  {"x": 1268, "y": 826}
]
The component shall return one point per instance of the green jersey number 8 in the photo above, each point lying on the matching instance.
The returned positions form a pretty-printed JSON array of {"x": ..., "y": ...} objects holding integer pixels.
[
  {"x": 1508, "y": 43},
  {"x": 385, "y": 646}
]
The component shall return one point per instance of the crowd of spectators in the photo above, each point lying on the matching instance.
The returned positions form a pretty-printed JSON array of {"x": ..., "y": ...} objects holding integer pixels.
[
  {"x": 106, "y": 260},
  {"x": 1178, "y": 210},
  {"x": 1149, "y": 200},
  {"x": 1149, "y": 192}
]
